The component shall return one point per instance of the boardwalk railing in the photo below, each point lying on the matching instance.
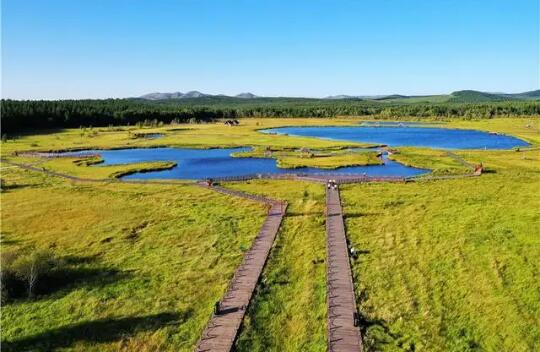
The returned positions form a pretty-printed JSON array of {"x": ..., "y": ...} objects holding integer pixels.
[{"x": 340, "y": 177}]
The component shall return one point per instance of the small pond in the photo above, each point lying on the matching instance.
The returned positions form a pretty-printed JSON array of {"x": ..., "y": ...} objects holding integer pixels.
[
  {"x": 400, "y": 135},
  {"x": 205, "y": 163}
]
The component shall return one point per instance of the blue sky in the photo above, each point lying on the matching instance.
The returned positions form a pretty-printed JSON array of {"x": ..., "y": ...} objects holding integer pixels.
[{"x": 119, "y": 48}]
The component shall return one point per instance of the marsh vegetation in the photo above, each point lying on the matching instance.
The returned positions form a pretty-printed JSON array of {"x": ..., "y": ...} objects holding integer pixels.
[{"x": 443, "y": 265}]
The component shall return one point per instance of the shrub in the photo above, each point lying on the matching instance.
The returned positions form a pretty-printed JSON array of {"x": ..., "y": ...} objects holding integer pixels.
[{"x": 22, "y": 270}]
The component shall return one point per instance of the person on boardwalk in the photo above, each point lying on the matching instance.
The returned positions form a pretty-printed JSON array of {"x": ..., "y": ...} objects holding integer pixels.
[{"x": 331, "y": 184}]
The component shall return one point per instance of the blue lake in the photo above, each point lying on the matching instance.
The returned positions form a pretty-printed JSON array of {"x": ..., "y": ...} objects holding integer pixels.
[
  {"x": 213, "y": 163},
  {"x": 400, "y": 135}
]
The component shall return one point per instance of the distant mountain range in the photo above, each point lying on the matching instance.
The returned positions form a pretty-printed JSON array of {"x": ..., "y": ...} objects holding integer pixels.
[
  {"x": 462, "y": 96},
  {"x": 191, "y": 95}
]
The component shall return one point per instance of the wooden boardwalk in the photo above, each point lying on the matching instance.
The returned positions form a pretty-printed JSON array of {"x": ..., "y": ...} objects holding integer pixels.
[
  {"x": 221, "y": 331},
  {"x": 343, "y": 335}
]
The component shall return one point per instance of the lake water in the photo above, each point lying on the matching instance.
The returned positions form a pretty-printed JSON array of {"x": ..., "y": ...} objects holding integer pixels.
[
  {"x": 213, "y": 163},
  {"x": 399, "y": 135}
]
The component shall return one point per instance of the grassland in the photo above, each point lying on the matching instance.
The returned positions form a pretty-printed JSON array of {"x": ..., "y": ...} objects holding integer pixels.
[
  {"x": 445, "y": 265},
  {"x": 81, "y": 167},
  {"x": 439, "y": 161},
  {"x": 449, "y": 265},
  {"x": 289, "y": 310},
  {"x": 194, "y": 136},
  {"x": 329, "y": 158},
  {"x": 136, "y": 255}
]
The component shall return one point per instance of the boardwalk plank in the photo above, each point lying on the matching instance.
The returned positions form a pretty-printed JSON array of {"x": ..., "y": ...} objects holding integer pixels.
[
  {"x": 221, "y": 332},
  {"x": 343, "y": 336}
]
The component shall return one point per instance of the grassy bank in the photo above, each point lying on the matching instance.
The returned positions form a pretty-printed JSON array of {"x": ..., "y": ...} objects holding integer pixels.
[
  {"x": 182, "y": 135},
  {"x": 439, "y": 161},
  {"x": 329, "y": 158},
  {"x": 135, "y": 254},
  {"x": 79, "y": 168}
]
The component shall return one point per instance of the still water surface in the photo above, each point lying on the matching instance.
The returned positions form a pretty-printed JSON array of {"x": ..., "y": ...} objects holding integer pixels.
[
  {"x": 204, "y": 163},
  {"x": 213, "y": 163},
  {"x": 400, "y": 135}
]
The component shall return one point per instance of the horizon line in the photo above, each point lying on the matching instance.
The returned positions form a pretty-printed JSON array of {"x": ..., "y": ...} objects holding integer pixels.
[{"x": 358, "y": 96}]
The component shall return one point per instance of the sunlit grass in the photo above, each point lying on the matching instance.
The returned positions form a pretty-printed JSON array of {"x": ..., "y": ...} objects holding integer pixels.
[
  {"x": 289, "y": 309},
  {"x": 445, "y": 266},
  {"x": 448, "y": 265},
  {"x": 152, "y": 249},
  {"x": 246, "y": 134},
  {"x": 439, "y": 161},
  {"x": 186, "y": 135},
  {"x": 73, "y": 167},
  {"x": 328, "y": 158}
]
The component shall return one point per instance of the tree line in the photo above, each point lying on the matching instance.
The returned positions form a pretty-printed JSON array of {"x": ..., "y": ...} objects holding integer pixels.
[{"x": 17, "y": 116}]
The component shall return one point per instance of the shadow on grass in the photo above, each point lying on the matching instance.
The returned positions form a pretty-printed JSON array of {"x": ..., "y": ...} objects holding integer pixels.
[
  {"x": 12, "y": 186},
  {"x": 71, "y": 278},
  {"x": 307, "y": 213},
  {"x": 379, "y": 332},
  {"x": 97, "y": 331},
  {"x": 7, "y": 241},
  {"x": 353, "y": 215},
  {"x": 60, "y": 281}
]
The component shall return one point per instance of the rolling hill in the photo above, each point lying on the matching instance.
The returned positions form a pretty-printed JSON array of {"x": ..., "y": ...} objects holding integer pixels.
[{"x": 462, "y": 96}]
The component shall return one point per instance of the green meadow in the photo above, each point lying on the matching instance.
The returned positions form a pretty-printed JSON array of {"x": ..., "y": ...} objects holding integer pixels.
[
  {"x": 289, "y": 309},
  {"x": 448, "y": 265},
  {"x": 144, "y": 264},
  {"x": 445, "y": 265}
]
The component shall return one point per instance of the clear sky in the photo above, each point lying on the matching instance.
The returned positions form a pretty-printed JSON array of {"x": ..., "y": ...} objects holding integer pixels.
[{"x": 120, "y": 48}]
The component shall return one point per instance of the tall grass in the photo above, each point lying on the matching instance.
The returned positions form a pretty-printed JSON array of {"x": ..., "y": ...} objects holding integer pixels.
[
  {"x": 289, "y": 309},
  {"x": 448, "y": 266},
  {"x": 147, "y": 262}
]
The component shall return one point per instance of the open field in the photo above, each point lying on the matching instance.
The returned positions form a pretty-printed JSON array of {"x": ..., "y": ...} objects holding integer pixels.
[
  {"x": 135, "y": 254},
  {"x": 444, "y": 265},
  {"x": 448, "y": 265},
  {"x": 181, "y": 135}
]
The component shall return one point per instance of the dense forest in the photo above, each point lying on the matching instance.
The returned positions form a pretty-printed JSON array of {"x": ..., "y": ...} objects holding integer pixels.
[{"x": 29, "y": 115}]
